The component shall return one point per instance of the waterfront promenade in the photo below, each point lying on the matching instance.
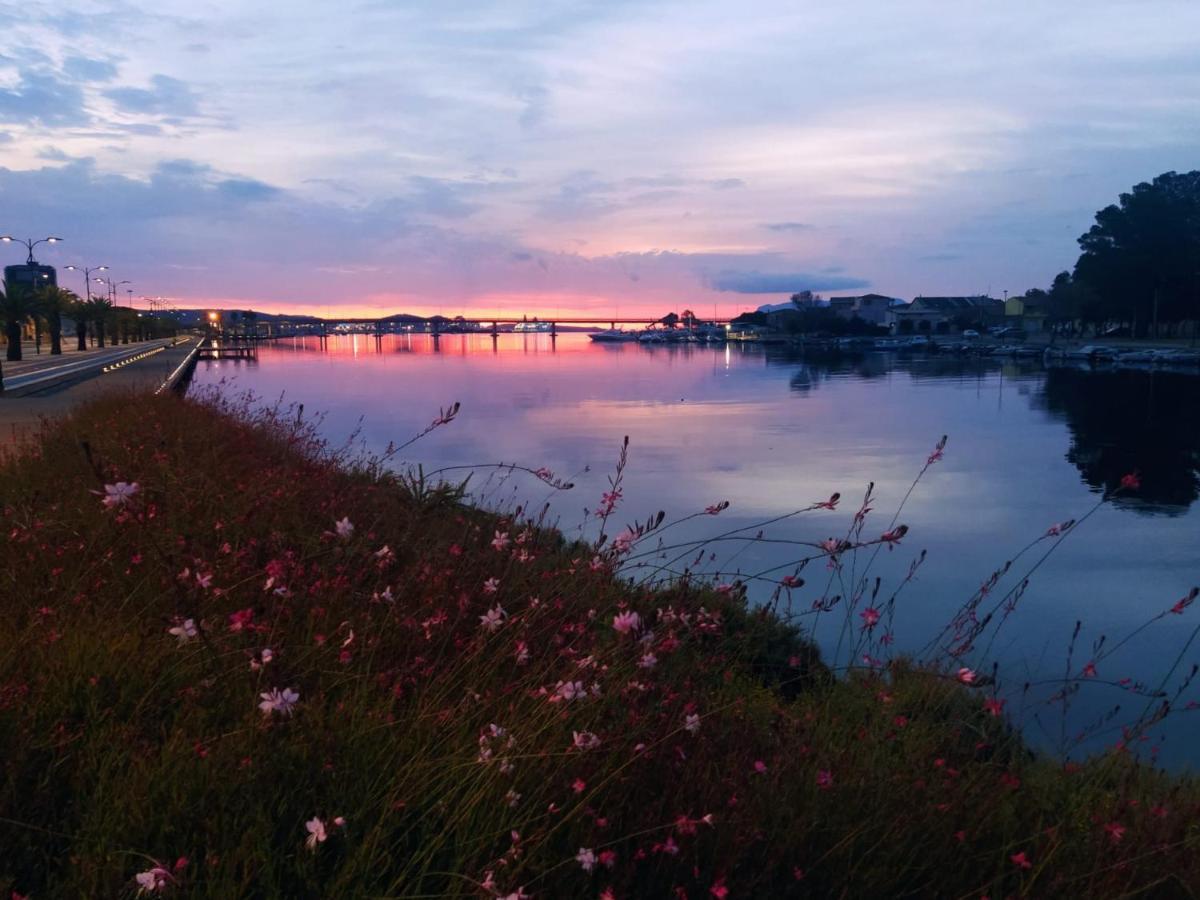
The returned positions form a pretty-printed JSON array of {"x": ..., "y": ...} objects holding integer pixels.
[{"x": 45, "y": 387}]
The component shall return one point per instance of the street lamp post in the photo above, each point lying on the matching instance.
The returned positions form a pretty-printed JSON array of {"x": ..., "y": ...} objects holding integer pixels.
[
  {"x": 29, "y": 243},
  {"x": 87, "y": 276}
]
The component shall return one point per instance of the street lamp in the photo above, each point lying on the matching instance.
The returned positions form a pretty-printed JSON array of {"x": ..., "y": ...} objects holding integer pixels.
[
  {"x": 87, "y": 276},
  {"x": 29, "y": 243}
]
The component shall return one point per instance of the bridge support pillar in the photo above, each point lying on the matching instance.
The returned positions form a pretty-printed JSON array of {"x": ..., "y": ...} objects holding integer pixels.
[{"x": 553, "y": 329}]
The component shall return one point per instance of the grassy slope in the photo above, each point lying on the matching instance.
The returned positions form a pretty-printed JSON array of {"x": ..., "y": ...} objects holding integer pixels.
[{"x": 121, "y": 747}]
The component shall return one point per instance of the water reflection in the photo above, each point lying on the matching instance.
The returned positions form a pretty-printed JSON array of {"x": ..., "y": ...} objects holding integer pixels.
[
  {"x": 1122, "y": 421},
  {"x": 772, "y": 430}
]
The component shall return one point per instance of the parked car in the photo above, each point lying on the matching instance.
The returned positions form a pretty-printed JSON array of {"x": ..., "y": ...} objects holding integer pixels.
[{"x": 970, "y": 333}]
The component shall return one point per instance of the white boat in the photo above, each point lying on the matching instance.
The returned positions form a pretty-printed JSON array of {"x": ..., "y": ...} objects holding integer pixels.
[{"x": 652, "y": 337}]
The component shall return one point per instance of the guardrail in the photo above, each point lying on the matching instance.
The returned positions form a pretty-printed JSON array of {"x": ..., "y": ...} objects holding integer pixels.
[{"x": 177, "y": 377}]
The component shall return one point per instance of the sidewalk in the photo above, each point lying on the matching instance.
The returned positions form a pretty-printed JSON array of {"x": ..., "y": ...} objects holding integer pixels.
[{"x": 23, "y": 412}]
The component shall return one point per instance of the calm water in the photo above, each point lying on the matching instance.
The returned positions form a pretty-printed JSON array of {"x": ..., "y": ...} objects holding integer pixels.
[{"x": 771, "y": 431}]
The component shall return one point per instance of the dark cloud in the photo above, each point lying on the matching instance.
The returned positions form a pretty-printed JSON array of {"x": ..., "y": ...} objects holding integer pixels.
[
  {"x": 83, "y": 68},
  {"x": 42, "y": 98},
  {"x": 781, "y": 282},
  {"x": 53, "y": 154},
  {"x": 166, "y": 96},
  {"x": 788, "y": 226}
]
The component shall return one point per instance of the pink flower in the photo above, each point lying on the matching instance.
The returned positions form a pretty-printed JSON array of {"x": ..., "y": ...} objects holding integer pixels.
[
  {"x": 1089, "y": 671},
  {"x": 824, "y": 779},
  {"x": 627, "y": 622},
  {"x": 1021, "y": 860},
  {"x": 719, "y": 890},
  {"x": 624, "y": 541},
  {"x": 205, "y": 580},
  {"x": 118, "y": 495},
  {"x": 584, "y": 740},
  {"x": 522, "y": 653},
  {"x": 586, "y": 859},
  {"x": 152, "y": 881},
  {"x": 994, "y": 706},
  {"x": 491, "y": 585},
  {"x": 760, "y": 767},
  {"x": 492, "y": 619},
  {"x": 966, "y": 676},
  {"x": 870, "y": 617},
  {"x": 648, "y": 661},
  {"x": 1059, "y": 528},
  {"x": 344, "y": 528},
  {"x": 240, "y": 619},
  {"x": 691, "y": 724},
  {"x": 316, "y": 833},
  {"x": 831, "y": 503},
  {"x": 500, "y": 541},
  {"x": 1115, "y": 830}
]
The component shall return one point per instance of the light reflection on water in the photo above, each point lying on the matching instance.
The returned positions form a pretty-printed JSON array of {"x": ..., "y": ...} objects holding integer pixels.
[{"x": 771, "y": 430}]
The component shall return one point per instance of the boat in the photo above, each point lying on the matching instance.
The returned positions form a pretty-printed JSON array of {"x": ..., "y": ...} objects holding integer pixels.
[
  {"x": 651, "y": 336},
  {"x": 613, "y": 336}
]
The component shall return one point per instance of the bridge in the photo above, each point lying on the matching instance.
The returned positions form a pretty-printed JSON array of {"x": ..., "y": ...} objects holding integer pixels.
[{"x": 284, "y": 327}]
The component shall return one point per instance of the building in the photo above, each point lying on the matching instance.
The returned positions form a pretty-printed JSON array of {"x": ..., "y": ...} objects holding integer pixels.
[
  {"x": 1025, "y": 313},
  {"x": 944, "y": 315},
  {"x": 31, "y": 274},
  {"x": 871, "y": 308}
]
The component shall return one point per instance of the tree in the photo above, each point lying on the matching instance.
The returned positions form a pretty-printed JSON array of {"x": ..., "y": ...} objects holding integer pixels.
[
  {"x": 1140, "y": 260},
  {"x": 99, "y": 309},
  {"x": 53, "y": 302},
  {"x": 80, "y": 311},
  {"x": 17, "y": 303}
]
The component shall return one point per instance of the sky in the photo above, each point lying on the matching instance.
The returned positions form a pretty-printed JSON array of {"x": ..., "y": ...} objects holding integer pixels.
[{"x": 609, "y": 157}]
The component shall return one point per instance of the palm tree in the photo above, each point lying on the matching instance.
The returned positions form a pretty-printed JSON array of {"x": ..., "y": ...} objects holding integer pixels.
[
  {"x": 100, "y": 307},
  {"x": 53, "y": 301},
  {"x": 80, "y": 311},
  {"x": 17, "y": 303}
]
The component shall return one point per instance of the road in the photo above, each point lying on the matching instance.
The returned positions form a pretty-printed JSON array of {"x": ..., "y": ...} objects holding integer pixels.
[{"x": 53, "y": 386}]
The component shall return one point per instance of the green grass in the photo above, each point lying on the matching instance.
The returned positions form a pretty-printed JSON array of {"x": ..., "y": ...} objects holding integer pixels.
[{"x": 122, "y": 748}]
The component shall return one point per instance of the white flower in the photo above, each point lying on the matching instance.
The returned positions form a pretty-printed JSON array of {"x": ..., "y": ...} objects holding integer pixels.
[
  {"x": 492, "y": 619},
  {"x": 279, "y": 701},
  {"x": 586, "y": 858},
  {"x": 262, "y": 660},
  {"x": 152, "y": 881},
  {"x": 692, "y": 724},
  {"x": 344, "y": 528},
  {"x": 119, "y": 494},
  {"x": 585, "y": 740},
  {"x": 185, "y": 631},
  {"x": 568, "y": 690},
  {"x": 316, "y": 833}
]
